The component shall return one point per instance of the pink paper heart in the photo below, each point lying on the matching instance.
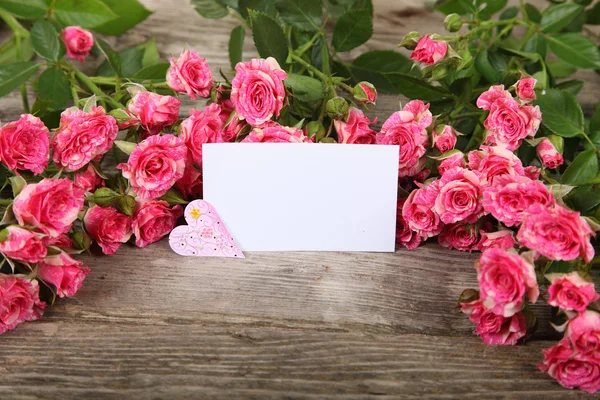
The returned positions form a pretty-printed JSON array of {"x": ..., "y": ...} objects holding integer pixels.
[{"x": 204, "y": 235}]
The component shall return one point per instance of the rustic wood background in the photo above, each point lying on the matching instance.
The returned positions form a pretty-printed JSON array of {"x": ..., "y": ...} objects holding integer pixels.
[{"x": 151, "y": 324}]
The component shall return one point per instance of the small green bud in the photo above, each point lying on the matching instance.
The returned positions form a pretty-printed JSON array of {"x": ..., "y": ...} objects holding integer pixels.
[
  {"x": 440, "y": 71},
  {"x": 315, "y": 129},
  {"x": 365, "y": 92},
  {"x": 104, "y": 197},
  {"x": 410, "y": 40},
  {"x": 81, "y": 240},
  {"x": 468, "y": 295},
  {"x": 126, "y": 204},
  {"x": 453, "y": 22},
  {"x": 337, "y": 108}
]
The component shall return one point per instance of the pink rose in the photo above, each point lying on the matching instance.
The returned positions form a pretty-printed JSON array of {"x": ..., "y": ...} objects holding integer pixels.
[
  {"x": 190, "y": 74},
  {"x": 153, "y": 111},
  {"x": 458, "y": 195},
  {"x": 21, "y": 244},
  {"x": 502, "y": 239},
  {"x": 524, "y": 89},
  {"x": 276, "y": 134},
  {"x": 509, "y": 123},
  {"x": 89, "y": 180},
  {"x": 444, "y": 138},
  {"x": 62, "y": 272},
  {"x": 257, "y": 90},
  {"x": 402, "y": 129},
  {"x": 78, "y": 42},
  {"x": 418, "y": 213},
  {"x": 404, "y": 235},
  {"x": 155, "y": 165},
  {"x": 231, "y": 125},
  {"x": 571, "y": 292},
  {"x": 489, "y": 97},
  {"x": 495, "y": 329},
  {"x": 24, "y": 144},
  {"x": 550, "y": 157},
  {"x": 355, "y": 129},
  {"x": 491, "y": 161},
  {"x": 459, "y": 236},
  {"x": 556, "y": 233},
  {"x": 50, "y": 205},
  {"x": 583, "y": 332},
  {"x": 108, "y": 227},
  {"x": 190, "y": 185},
  {"x": 81, "y": 137},
  {"x": 455, "y": 160},
  {"x": 532, "y": 172},
  {"x": 420, "y": 113},
  {"x": 510, "y": 196},
  {"x": 19, "y": 301},
  {"x": 152, "y": 220},
  {"x": 202, "y": 127},
  {"x": 429, "y": 51},
  {"x": 504, "y": 280},
  {"x": 62, "y": 241}
]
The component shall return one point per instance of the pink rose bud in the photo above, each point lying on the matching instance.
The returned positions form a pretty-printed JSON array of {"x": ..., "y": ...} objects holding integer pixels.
[
  {"x": 152, "y": 220},
  {"x": 355, "y": 129},
  {"x": 532, "y": 172},
  {"x": 548, "y": 153},
  {"x": 63, "y": 273},
  {"x": 89, "y": 180},
  {"x": 444, "y": 138},
  {"x": 153, "y": 111},
  {"x": 404, "y": 236},
  {"x": 24, "y": 144},
  {"x": 82, "y": 136},
  {"x": 502, "y": 239},
  {"x": 571, "y": 292},
  {"x": 454, "y": 160},
  {"x": 524, "y": 89},
  {"x": 257, "y": 90},
  {"x": 201, "y": 127},
  {"x": 429, "y": 51},
  {"x": 19, "y": 301},
  {"x": 276, "y": 134},
  {"x": 78, "y": 42},
  {"x": 190, "y": 74},
  {"x": 155, "y": 165},
  {"x": 365, "y": 92},
  {"x": 21, "y": 244},
  {"x": 108, "y": 227},
  {"x": 50, "y": 205}
]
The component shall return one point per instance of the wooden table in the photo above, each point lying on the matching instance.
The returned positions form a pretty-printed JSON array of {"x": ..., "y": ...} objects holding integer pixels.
[{"x": 151, "y": 324}]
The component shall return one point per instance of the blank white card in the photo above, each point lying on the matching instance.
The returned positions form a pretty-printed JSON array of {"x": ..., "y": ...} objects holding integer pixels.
[{"x": 298, "y": 196}]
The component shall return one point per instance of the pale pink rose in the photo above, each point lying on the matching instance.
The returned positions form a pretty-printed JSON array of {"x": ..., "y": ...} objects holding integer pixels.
[
  {"x": 78, "y": 42},
  {"x": 153, "y": 111},
  {"x": 82, "y": 136},
  {"x": 232, "y": 126},
  {"x": 419, "y": 215},
  {"x": 489, "y": 97},
  {"x": 19, "y": 301},
  {"x": 63, "y": 273},
  {"x": 190, "y": 74},
  {"x": 201, "y": 127},
  {"x": 155, "y": 165},
  {"x": 50, "y": 205},
  {"x": 505, "y": 278},
  {"x": 510, "y": 196},
  {"x": 491, "y": 161},
  {"x": 524, "y": 89},
  {"x": 152, "y": 220},
  {"x": 495, "y": 329},
  {"x": 355, "y": 129},
  {"x": 445, "y": 140},
  {"x": 458, "y": 196},
  {"x": 402, "y": 129},
  {"x": 429, "y": 51},
  {"x": 420, "y": 113},
  {"x": 22, "y": 244},
  {"x": 571, "y": 369},
  {"x": 556, "y": 233},
  {"x": 459, "y": 236},
  {"x": 108, "y": 227},
  {"x": 571, "y": 292},
  {"x": 583, "y": 332},
  {"x": 89, "y": 180},
  {"x": 502, "y": 239},
  {"x": 548, "y": 154},
  {"x": 532, "y": 172},
  {"x": 190, "y": 185},
  {"x": 276, "y": 134},
  {"x": 509, "y": 123},
  {"x": 455, "y": 160},
  {"x": 24, "y": 144},
  {"x": 257, "y": 90},
  {"x": 404, "y": 235}
]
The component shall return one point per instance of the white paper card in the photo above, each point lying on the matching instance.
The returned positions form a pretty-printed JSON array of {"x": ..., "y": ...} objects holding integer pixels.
[{"x": 298, "y": 196}]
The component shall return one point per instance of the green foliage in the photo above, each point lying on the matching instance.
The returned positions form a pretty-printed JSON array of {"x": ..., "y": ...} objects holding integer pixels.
[
  {"x": 236, "y": 44},
  {"x": 561, "y": 112},
  {"x": 268, "y": 36},
  {"x": 15, "y": 74},
  {"x": 353, "y": 28},
  {"x": 45, "y": 41}
]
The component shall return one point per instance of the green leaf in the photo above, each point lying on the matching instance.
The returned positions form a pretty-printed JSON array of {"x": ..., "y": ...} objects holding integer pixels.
[
  {"x": 156, "y": 71},
  {"x": 558, "y": 16},
  {"x": 533, "y": 13},
  {"x": 592, "y": 16},
  {"x": 561, "y": 113},
  {"x": 236, "y": 44},
  {"x": 584, "y": 198},
  {"x": 264, "y": 6},
  {"x": 491, "y": 7},
  {"x": 456, "y": 6},
  {"x": 15, "y": 74},
  {"x": 268, "y": 36},
  {"x": 45, "y": 42},
  {"x": 89, "y": 14},
  {"x": 560, "y": 69},
  {"x": 9, "y": 53},
  {"x": 26, "y": 9},
  {"x": 595, "y": 121},
  {"x": 572, "y": 86},
  {"x": 130, "y": 13},
  {"x": 378, "y": 68},
  {"x": 415, "y": 88},
  {"x": 302, "y": 14},
  {"x": 583, "y": 169},
  {"x": 485, "y": 67},
  {"x": 55, "y": 87},
  {"x": 211, "y": 9},
  {"x": 111, "y": 56},
  {"x": 304, "y": 88},
  {"x": 576, "y": 50},
  {"x": 537, "y": 44},
  {"x": 151, "y": 55},
  {"x": 353, "y": 28},
  {"x": 124, "y": 146}
]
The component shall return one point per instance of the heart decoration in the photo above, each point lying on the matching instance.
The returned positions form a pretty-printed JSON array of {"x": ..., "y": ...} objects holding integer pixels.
[{"x": 204, "y": 235}]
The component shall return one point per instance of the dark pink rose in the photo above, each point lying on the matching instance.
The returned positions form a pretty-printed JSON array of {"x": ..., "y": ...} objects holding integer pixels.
[
  {"x": 355, "y": 129},
  {"x": 277, "y": 134},
  {"x": 404, "y": 235},
  {"x": 489, "y": 97},
  {"x": 231, "y": 125},
  {"x": 62, "y": 241},
  {"x": 190, "y": 74},
  {"x": 21, "y": 244},
  {"x": 495, "y": 329},
  {"x": 571, "y": 292},
  {"x": 455, "y": 160},
  {"x": 533, "y": 172},
  {"x": 458, "y": 196},
  {"x": 418, "y": 213},
  {"x": 19, "y": 301},
  {"x": 153, "y": 111},
  {"x": 190, "y": 185},
  {"x": 502, "y": 239},
  {"x": 459, "y": 236},
  {"x": 201, "y": 127},
  {"x": 63, "y": 273},
  {"x": 429, "y": 51},
  {"x": 491, "y": 161},
  {"x": 24, "y": 144},
  {"x": 548, "y": 154},
  {"x": 508, "y": 123},
  {"x": 524, "y": 89},
  {"x": 152, "y": 220},
  {"x": 78, "y": 42},
  {"x": 89, "y": 180},
  {"x": 444, "y": 138},
  {"x": 583, "y": 332},
  {"x": 108, "y": 227}
]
